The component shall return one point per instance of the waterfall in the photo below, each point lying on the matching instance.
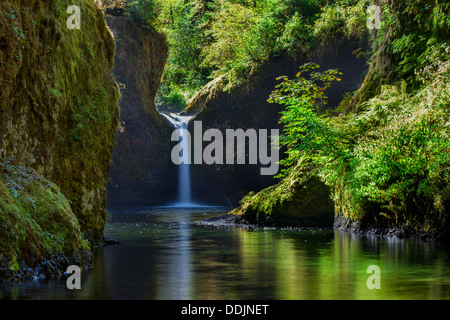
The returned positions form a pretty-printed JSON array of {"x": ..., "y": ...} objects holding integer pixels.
[
  {"x": 184, "y": 181},
  {"x": 184, "y": 174}
]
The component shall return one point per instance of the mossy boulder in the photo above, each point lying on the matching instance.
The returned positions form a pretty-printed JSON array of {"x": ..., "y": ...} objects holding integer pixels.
[
  {"x": 299, "y": 200},
  {"x": 36, "y": 222}
]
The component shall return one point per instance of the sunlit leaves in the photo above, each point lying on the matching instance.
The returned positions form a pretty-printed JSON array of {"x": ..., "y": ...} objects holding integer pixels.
[{"x": 308, "y": 132}]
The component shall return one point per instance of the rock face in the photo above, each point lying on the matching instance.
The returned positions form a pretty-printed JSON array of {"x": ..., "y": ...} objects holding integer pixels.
[
  {"x": 38, "y": 227},
  {"x": 245, "y": 106},
  {"x": 141, "y": 171},
  {"x": 58, "y": 117},
  {"x": 299, "y": 200}
]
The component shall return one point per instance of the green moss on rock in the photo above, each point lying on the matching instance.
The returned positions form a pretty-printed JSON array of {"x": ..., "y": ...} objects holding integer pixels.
[
  {"x": 59, "y": 102},
  {"x": 36, "y": 220},
  {"x": 300, "y": 200}
]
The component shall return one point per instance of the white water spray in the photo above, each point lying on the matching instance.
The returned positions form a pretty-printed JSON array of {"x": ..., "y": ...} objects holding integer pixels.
[{"x": 184, "y": 174}]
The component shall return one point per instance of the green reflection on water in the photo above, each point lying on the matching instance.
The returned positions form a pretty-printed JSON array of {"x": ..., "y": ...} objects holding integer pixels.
[
  {"x": 163, "y": 255},
  {"x": 310, "y": 265}
]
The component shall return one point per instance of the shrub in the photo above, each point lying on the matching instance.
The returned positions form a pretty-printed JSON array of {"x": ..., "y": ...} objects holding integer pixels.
[{"x": 143, "y": 11}]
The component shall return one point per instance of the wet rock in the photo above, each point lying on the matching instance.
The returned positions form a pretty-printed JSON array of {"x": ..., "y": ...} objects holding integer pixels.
[
  {"x": 299, "y": 200},
  {"x": 108, "y": 241}
]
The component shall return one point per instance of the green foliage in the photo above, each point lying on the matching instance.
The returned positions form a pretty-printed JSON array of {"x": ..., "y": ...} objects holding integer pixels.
[
  {"x": 175, "y": 101},
  {"x": 343, "y": 19},
  {"x": 307, "y": 131},
  {"x": 421, "y": 26},
  {"x": 234, "y": 38},
  {"x": 387, "y": 163},
  {"x": 296, "y": 36},
  {"x": 208, "y": 39},
  {"x": 143, "y": 11},
  {"x": 13, "y": 265},
  {"x": 185, "y": 41},
  {"x": 184, "y": 73}
]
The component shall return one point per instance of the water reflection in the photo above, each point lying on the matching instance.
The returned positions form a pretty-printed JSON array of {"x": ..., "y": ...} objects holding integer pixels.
[
  {"x": 163, "y": 255},
  {"x": 175, "y": 279}
]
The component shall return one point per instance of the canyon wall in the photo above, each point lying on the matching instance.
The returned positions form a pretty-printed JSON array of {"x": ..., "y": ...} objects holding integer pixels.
[
  {"x": 141, "y": 173},
  {"x": 58, "y": 117}
]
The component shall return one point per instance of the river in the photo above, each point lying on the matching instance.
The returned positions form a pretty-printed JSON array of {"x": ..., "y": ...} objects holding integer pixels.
[{"x": 165, "y": 253}]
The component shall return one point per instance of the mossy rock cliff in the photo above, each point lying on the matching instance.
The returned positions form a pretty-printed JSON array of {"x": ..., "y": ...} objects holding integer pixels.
[{"x": 58, "y": 116}]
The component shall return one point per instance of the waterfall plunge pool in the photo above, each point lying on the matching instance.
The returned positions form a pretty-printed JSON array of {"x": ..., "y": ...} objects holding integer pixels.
[{"x": 167, "y": 253}]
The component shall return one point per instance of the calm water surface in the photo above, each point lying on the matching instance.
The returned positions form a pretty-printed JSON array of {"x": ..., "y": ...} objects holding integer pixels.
[{"x": 165, "y": 254}]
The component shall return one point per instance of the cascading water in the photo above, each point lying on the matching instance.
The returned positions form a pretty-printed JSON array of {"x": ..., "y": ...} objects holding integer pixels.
[{"x": 184, "y": 174}]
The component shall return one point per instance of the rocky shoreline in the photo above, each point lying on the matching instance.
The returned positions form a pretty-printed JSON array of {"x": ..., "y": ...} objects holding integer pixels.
[
  {"x": 225, "y": 220},
  {"x": 401, "y": 232},
  {"x": 53, "y": 266},
  {"x": 340, "y": 223}
]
